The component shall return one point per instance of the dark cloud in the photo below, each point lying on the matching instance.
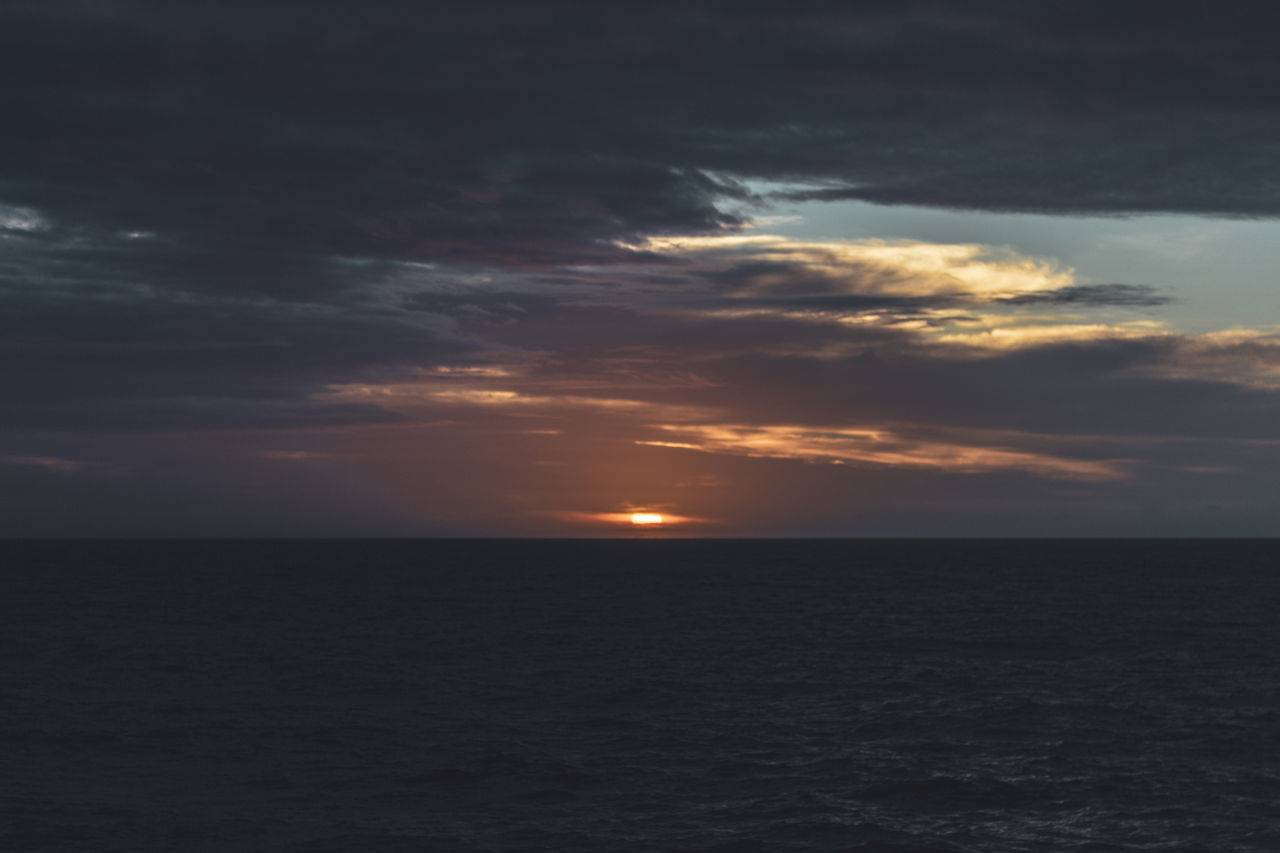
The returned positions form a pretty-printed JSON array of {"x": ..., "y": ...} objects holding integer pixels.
[
  {"x": 769, "y": 366},
  {"x": 1100, "y": 295},
  {"x": 1088, "y": 388},
  {"x": 798, "y": 285},
  {"x": 793, "y": 280},
  {"x": 505, "y": 133},
  {"x": 112, "y": 332}
]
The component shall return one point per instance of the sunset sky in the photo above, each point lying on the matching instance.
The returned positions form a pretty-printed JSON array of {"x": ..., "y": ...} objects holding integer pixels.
[{"x": 526, "y": 269}]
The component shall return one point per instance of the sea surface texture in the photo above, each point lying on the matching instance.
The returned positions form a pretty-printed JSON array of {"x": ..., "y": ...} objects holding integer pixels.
[{"x": 640, "y": 696}]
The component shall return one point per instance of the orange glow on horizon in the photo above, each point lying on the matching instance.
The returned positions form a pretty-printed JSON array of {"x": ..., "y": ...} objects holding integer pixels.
[{"x": 647, "y": 520}]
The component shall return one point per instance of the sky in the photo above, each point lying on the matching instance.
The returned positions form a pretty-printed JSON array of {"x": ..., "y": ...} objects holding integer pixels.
[{"x": 275, "y": 268}]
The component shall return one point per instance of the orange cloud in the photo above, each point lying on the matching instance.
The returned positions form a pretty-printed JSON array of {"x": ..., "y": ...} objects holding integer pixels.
[
  {"x": 879, "y": 447},
  {"x": 1006, "y": 333},
  {"x": 413, "y": 397}
]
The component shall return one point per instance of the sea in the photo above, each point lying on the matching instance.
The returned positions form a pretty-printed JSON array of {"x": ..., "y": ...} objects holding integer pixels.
[{"x": 640, "y": 695}]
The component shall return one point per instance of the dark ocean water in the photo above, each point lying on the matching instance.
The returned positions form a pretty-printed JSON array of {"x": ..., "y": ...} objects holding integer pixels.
[{"x": 650, "y": 695}]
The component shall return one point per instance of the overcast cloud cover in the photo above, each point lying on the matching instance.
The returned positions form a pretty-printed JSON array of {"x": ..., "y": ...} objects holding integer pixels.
[{"x": 391, "y": 268}]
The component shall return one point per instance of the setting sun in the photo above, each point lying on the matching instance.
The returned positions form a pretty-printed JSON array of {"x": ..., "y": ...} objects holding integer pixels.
[{"x": 651, "y": 522}]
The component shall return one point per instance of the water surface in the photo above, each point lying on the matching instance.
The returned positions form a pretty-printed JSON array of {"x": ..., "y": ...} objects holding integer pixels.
[{"x": 640, "y": 695}]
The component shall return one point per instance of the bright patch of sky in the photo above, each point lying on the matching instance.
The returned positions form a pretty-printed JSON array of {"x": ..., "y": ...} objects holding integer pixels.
[{"x": 1219, "y": 272}]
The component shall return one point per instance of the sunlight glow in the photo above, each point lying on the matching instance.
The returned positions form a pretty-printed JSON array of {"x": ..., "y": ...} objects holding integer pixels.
[
  {"x": 908, "y": 268},
  {"x": 651, "y": 521}
]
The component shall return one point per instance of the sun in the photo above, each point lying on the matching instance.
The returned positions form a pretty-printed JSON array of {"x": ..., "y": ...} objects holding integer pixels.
[{"x": 646, "y": 518}]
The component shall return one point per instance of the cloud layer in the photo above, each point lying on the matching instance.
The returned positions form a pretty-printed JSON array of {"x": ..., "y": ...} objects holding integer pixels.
[{"x": 470, "y": 267}]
